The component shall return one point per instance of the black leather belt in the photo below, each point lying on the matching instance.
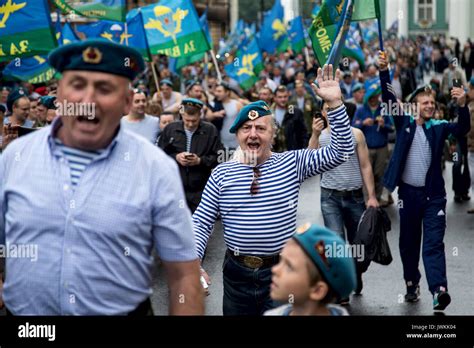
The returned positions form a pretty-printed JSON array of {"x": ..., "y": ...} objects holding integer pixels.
[
  {"x": 254, "y": 261},
  {"x": 353, "y": 193}
]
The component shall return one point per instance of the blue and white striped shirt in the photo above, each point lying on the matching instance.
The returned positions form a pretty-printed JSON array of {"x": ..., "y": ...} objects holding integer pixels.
[
  {"x": 78, "y": 160},
  {"x": 95, "y": 242},
  {"x": 418, "y": 160},
  {"x": 262, "y": 223},
  {"x": 347, "y": 176},
  {"x": 189, "y": 139}
]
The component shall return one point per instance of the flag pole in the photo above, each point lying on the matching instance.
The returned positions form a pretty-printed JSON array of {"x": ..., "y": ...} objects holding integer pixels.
[
  {"x": 214, "y": 60},
  {"x": 379, "y": 25}
]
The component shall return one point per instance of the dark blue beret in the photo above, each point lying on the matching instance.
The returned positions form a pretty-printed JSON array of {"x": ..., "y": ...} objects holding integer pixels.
[
  {"x": 98, "y": 55},
  {"x": 417, "y": 91},
  {"x": 48, "y": 101},
  {"x": 193, "y": 102},
  {"x": 166, "y": 82},
  {"x": 14, "y": 95},
  {"x": 250, "y": 112}
]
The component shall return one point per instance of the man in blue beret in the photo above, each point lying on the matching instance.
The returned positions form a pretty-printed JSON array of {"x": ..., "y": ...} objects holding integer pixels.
[
  {"x": 257, "y": 197},
  {"x": 415, "y": 168},
  {"x": 107, "y": 198},
  {"x": 195, "y": 145},
  {"x": 18, "y": 104},
  {"x": 46, "y": 110}
]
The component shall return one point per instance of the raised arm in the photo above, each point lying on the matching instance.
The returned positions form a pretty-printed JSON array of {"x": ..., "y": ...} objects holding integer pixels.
[
  {"x": 463, "y": 125},
  {"x": 341, "y": 146},
  {"x": 392, "y": 106}
]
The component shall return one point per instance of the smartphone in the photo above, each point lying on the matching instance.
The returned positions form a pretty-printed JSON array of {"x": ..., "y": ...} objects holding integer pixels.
[
  {"x": 189, "y": 156},
  {"x": 318, "y": 114},
  {"x": 457, "y": 83}
]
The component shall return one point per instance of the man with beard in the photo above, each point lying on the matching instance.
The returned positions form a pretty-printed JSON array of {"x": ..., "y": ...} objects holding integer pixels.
[{"x": 415, "y": 168}]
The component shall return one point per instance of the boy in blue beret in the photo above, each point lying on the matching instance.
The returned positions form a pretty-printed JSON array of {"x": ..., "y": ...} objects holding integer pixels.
[{"x": 315, "y": 269}]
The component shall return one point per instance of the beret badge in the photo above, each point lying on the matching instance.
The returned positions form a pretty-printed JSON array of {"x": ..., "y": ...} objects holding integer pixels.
[
  {"x": 92, "y": 55},
  {"x": 252, "y": 115}
]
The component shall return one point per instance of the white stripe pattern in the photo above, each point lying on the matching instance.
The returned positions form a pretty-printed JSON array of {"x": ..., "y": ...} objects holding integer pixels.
[{"x": 262, "y": 223}]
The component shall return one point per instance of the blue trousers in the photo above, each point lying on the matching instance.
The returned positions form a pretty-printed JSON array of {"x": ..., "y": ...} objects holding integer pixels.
[
  {"x": 422, "y": 222},
  {"x": 246, "y": 290}
]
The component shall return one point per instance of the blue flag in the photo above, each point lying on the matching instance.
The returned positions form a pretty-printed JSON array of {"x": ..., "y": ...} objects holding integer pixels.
[
  {"x": 25, "y": 29},
  {"x": 296, "y": 34},
  {"x": 315, "y": 11},
  {"x": 246, "y": 66},
  {"x": 353, "y": 49},
  {"x": 273, "y": 31},
  {"x": 172, "y": 28},
  {"x": 133, "y": 35}
]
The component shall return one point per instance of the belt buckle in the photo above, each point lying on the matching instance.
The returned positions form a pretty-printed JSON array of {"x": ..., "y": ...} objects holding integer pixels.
[{"x": 253, "y": 261}]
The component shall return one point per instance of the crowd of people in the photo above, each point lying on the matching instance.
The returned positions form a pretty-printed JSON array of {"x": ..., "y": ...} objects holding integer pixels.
[{"x": 239, "y": 156}]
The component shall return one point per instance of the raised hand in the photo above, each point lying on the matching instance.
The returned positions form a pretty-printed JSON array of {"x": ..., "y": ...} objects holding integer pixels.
[
  {"x": 382, "y": 61},
  {"x": 327, "y": 86}
]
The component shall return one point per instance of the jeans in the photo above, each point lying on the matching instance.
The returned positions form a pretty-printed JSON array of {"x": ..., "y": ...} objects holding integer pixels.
[
  {"x": 341, "y": 211},
  {"x": 246, "y": 290}
]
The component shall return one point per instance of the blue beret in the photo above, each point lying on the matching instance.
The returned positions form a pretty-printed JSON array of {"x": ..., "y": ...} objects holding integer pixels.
[
  {"x": 372, "y": 90},
  {"x": 48, "y": 101},
  {"x": 191, "y": 83},
  {"x": 98, "y": 55},
  {"x": 417, "y": 91},
  {"x": 166, "y": 82},
  {"x": 358, "y": 86},
  {"x": 324, "y": 247},
  {"x": 250, "y": 112},
  {"x": 193, "y": 102},
  {"x": 14, "y": 95}
]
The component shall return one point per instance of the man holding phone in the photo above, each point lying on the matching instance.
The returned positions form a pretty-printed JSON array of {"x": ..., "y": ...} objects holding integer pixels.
[{"x": 195, "y": 145}]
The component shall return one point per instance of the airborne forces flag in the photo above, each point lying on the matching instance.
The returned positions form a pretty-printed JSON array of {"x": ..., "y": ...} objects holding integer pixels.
[{"x": 25, "y": 29}]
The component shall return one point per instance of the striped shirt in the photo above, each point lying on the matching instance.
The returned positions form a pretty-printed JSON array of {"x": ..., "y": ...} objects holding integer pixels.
[
  {"x": 347, "y": 176},
  {"x": 262, "y": 223},
  {"x": 418, "y": 160},
  {"x": 189, "y": 138},
  {"x": 78, "y": 160}
]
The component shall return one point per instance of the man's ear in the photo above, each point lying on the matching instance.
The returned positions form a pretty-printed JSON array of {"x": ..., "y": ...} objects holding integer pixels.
[
  {"x": 128, "y": 101},
  {"x": 318, "y": 291}
]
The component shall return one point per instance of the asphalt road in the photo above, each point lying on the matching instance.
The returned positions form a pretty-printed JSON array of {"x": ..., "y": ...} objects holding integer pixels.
[{"x": 383, "y": 285}]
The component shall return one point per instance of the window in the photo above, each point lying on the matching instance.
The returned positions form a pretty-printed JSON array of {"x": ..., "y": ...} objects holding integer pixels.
[{"x": 425, "y": 11}]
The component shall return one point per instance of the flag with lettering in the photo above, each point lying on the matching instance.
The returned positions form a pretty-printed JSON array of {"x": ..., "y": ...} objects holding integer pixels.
[
  {"x": 114, "y": 10},
  {"x": 172, "y": 28},
  {"x": 180, "y": 62},
  {"x": 36, "y": 69},
  {"x": 25, "y": 29},
  {"x": 329, "y": 29},
  {"x": 296, "y": 34},
  {"x": 273, "y": 32}
]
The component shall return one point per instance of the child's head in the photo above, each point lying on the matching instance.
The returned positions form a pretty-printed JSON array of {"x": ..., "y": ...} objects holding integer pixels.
[{"x": 313, "y": 268}]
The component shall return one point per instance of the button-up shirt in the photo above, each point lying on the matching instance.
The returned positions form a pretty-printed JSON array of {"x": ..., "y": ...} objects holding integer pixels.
[{"x": 94, "y": 243}]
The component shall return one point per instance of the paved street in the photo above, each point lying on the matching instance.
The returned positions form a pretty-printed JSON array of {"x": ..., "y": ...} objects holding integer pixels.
[{"x": 383, "y": 285}]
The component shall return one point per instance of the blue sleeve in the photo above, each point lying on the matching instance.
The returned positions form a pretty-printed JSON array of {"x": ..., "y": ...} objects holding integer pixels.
[
  {"x": 358, "y": 118},
  {"x": 390, "y": 101},
  {"x": 462, "y": 126}
]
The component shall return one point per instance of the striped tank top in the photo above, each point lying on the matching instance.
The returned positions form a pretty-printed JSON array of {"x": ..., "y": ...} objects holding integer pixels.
[{"x": 345, "y": 177}]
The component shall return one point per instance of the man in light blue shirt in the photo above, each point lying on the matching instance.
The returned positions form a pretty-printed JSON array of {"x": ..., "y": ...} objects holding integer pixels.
[{"x": 98, "y": 199}]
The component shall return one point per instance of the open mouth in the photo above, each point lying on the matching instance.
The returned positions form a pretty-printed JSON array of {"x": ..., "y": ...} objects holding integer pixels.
[
  {"x": 93, "y": 120},
  {"x": 254, "y": 146}
]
